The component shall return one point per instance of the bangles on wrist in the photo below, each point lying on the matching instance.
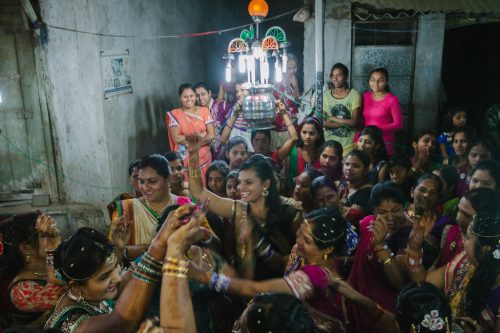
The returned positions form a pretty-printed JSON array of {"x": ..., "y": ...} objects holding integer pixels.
[
  {"x": 194, "y": 173},
  {"x": 219, "y": 282},
  {"x": 148, "y": 270},
  {"x": 174, "y": 267}
]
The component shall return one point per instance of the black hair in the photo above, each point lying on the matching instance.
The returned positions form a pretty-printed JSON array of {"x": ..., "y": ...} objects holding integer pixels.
[
  {"x": 30, "y": 329},
  {"x": 163, "y": 218},
  {"x": 486, "y": 228},
  {"x": 328, "y": 228},
  {"x": 278, "y": 313},
  {"x": 375, "y": 133},
  {"x": 236, "y": 140},
  {"x": 483, "y": 199},
  {"x": 450, "y": 175},
  {"x": 419, "y": 136},
  {"x": 321, "y": 136},
  {"x": 172, "y": 156},
  {"x": 434, "y": 178},
  {"x": 266, "y": 132},
  {"x": 312, "y": 173},
  {"x": 185, "y": 86},
  {"x": 201, "y": 85},
  {"x": 386, "y": 191},
  {"x": 384, "y": 71},
  {"x": 82, "y": 255},
  {"x": 219, "y": 166},
  {"x": 418, "y": 300},
  {"x": 233, "y": 174},
  {"x": 133, "y": 164},
  {"x": 399, "y": 160},
  {"x": 320, "y": 182},
  {"x": 363, "y": 157},
  {"x": 448, "y": 117},
  {"x": 158, "y": 163},
  {"x": 493, "y": 169},
  {"x": 342, "y": 67},
  {"x": 14, "y": 231},
  {"x": 264, "y": 172}
]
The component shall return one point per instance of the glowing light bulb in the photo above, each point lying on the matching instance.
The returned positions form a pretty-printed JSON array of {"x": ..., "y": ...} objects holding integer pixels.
[
  {"x": 241, "y": 63},
  {"x": 257, "y": 50},
  {"x": 278, "y": 74},
  {"x": 284, "y": 59},
  {"x": 228, "y": 71}
]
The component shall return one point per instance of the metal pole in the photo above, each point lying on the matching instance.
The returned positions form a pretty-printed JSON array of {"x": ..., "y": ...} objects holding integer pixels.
[{"x": 319, "y": 13}]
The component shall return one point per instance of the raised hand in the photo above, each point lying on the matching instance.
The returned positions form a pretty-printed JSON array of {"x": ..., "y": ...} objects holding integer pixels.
[
  {"x": 189, "y": 232},
  {"x": 174, "y": 221},
  {"x": 194, "y": 144},
  {"x": 380, "y": 231},
  {"x": 417, "y": 234},
  {"x": 48, "y": 232},
  {"x": 280, "y": 107},
  {"x": 120, "y": 232}
]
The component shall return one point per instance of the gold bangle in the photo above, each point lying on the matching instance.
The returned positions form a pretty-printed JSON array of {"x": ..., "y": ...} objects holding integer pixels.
[
  {"x": 387, "y": 261},
  {"x": 179, "y": 275},
  {"x": 194, "y": 174}
]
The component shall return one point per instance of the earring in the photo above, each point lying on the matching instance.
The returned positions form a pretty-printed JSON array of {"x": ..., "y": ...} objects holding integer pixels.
[
  {"x": 77, "y": 299},
  {"x": 27, "y": 257},
  {"x": 265, "y": 192},
  {"x": 325, "y": 256}
]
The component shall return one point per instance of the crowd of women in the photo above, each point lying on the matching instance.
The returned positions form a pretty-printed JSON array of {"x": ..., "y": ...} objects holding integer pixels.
[{"x": 308, "y": 227}]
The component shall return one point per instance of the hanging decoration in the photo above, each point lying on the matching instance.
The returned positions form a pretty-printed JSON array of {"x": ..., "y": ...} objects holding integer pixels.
[{"x": 252, "y": 54}]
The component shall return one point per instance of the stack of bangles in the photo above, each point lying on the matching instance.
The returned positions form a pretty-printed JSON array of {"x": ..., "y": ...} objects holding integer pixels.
[
  {"x": 148, "y": 269},
  {"x": 414, "y": 260},
  {"x": 219, "y": 282},
  {"x": 194, "y": 173},
  {"x": 385, "y": 261},
  {"x": 267, "y": 252},
  {"x": 50, "y": 257},
  {"x": 176, "y": 268}
]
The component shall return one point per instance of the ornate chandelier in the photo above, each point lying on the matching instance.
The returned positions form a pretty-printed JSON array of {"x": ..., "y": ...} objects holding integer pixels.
[
  {"x": 253, "y": 53},
  {"x": 249, "y": 49}
]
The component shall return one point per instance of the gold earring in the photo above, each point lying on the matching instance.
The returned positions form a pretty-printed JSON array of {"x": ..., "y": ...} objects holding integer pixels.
[
  {"x": 27, "y": 257},
  {"x": 325, "y": 256},
  {"x": 265, "y": 192}
]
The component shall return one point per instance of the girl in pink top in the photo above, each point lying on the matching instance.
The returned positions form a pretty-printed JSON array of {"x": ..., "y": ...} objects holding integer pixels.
[{"x": 381, "y": 108}]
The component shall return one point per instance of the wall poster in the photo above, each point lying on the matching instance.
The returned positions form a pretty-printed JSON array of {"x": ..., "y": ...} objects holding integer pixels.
[{"x": 115, "y": 73}]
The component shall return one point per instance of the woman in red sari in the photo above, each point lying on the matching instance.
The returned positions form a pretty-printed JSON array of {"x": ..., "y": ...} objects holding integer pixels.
[
  {"x": 375, "y": 272},
  {"x": 191, "y": 119}
]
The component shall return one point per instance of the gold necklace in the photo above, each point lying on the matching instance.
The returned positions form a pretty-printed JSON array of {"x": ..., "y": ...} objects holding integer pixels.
[{"x": 154, "y": 210}]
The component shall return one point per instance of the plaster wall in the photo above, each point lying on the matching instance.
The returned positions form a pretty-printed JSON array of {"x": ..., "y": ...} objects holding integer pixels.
[
  {"x": 427, "y": 78},
  {"x": 96, "y": 138},
  {"x": 337, "y": 40}
]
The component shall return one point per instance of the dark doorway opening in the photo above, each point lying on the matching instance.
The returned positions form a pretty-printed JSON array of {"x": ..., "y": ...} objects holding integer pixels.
[{"x": 471, "y": 69}]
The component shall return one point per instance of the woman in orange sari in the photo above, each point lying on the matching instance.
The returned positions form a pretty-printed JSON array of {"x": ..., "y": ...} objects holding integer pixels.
[{"x": 191, "y": 119}]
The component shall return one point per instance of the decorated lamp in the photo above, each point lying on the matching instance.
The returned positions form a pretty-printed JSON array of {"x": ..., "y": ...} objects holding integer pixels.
[{"x": 250, "y": 52}]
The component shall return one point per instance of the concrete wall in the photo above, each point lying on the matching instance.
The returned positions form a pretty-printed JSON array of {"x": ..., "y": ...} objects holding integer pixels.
[
  {"x": 337, "y": 40},
  {"x": 427, "y": 78},
  {"x": 96, "y": 138}
]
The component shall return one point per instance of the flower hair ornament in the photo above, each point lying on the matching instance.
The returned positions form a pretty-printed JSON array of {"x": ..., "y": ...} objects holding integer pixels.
[{"x": 433, "y": 321}]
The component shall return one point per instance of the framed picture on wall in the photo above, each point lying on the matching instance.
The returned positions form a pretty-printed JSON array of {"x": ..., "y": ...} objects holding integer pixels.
[{"x": 115, "y": 73}]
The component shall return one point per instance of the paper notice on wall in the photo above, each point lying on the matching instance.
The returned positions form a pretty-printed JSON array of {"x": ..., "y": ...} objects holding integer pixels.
[{"x": 115, "y": 72}]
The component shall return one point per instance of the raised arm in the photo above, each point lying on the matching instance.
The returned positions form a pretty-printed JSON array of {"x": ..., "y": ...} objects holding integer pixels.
[
  {"x": 217, "y": 205},
  {"x": 228, "y": 127},
  {"x": 287, "y": 147},
  {"x": 136, "y": 296}
]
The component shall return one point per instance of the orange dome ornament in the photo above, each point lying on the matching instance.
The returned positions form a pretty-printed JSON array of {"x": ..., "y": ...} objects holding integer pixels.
[{"x": 258, "y": 9}]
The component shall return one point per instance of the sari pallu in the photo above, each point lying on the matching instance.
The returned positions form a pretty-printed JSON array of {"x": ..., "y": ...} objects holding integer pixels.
[
  {"x": 296, "y": 166},
  {"x": 191, "y": 124},
  {"x": 310, "y": 284},
  {"x": 367, "y": 275},
  {"x": 142, "y": 220}
]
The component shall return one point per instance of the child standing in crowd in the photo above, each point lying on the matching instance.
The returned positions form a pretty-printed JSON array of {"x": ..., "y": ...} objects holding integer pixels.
[{"x": 455, "y": 118}]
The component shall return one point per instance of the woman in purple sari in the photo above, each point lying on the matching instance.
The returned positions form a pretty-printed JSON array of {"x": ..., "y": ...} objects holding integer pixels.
[
  {"x": 376, "y": 272},
  {"x": 323, "y": 236}
]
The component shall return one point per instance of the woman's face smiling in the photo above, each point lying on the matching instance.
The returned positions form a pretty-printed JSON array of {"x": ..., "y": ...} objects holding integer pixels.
[
  {"x": 154, "y": 187},
  {"x": 378, "y": 82},
  {"x": 104, "y": 283},
  {"x": 202, "y": 96},
  {"x": 250, "y": 186},
  {"x": 188, "y": 98},
  {"x": 426, "y": 195}
]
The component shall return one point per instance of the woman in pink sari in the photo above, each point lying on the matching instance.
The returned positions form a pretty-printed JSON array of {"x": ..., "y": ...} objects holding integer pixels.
[
  {"x": 187, "y": 120},
  {"x": 322, "y": 237},
  {"x": 375, "y": 272}
]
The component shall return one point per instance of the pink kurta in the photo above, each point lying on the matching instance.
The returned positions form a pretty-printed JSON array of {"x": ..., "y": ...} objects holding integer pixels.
[{"x": 385, "y": 114}]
